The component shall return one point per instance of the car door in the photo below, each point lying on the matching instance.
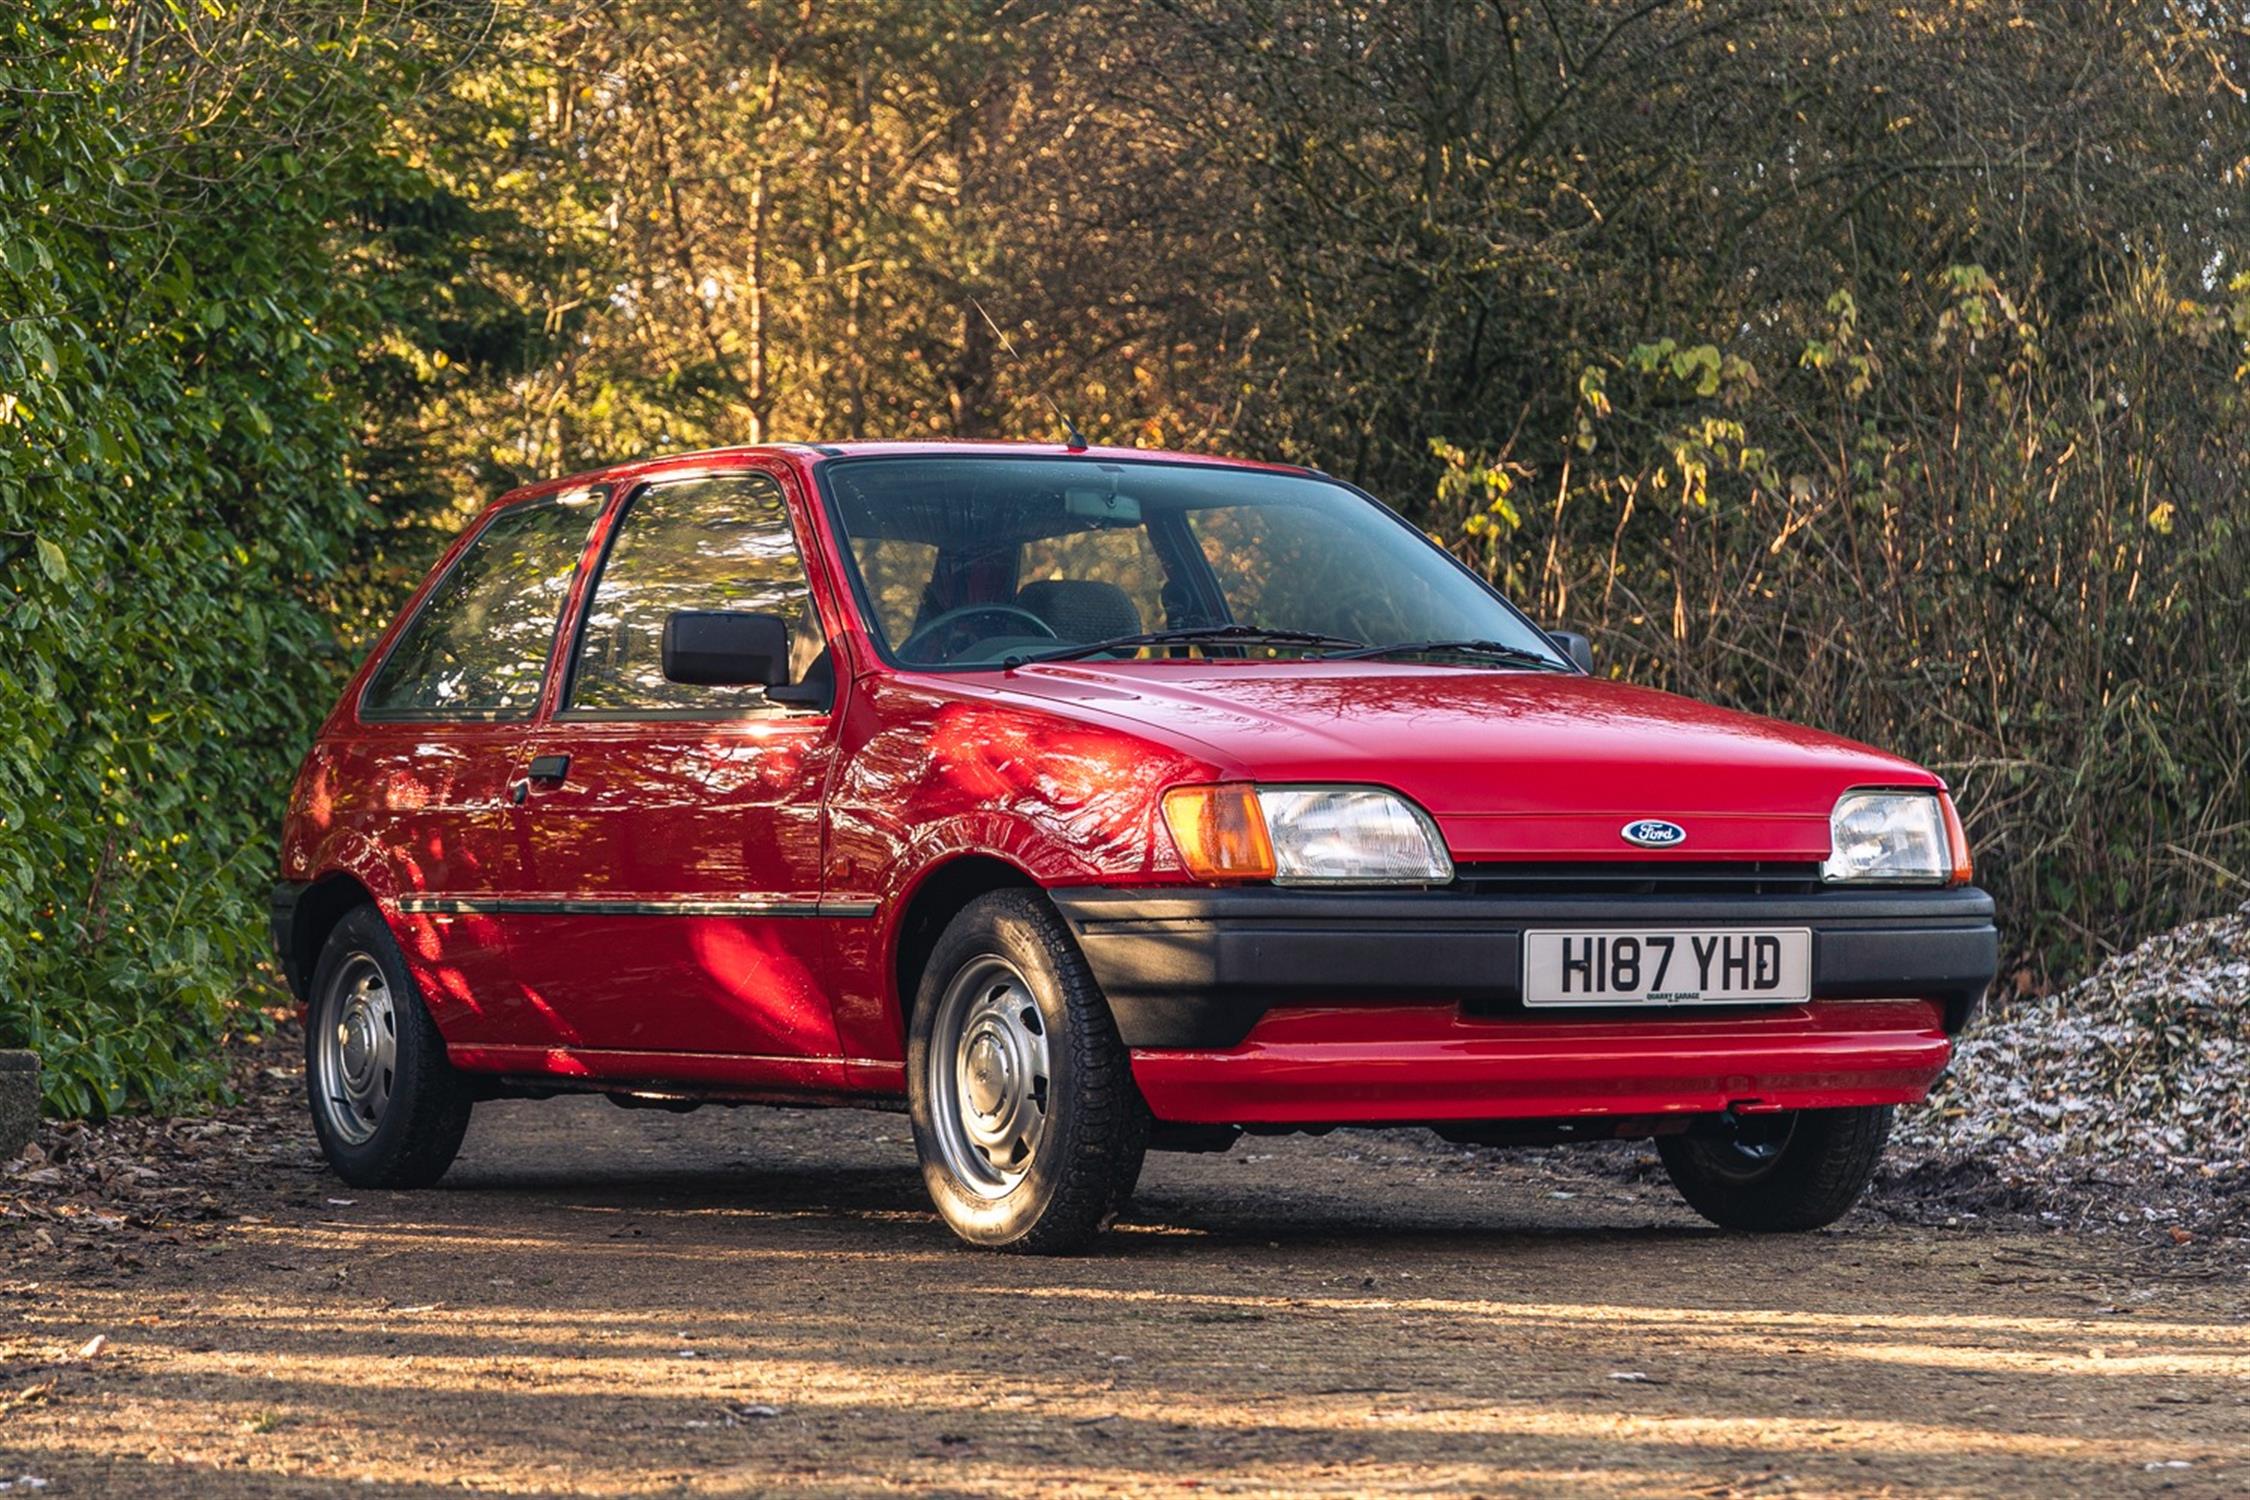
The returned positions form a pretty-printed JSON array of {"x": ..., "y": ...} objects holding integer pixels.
[
  {"x": 672, "y": 832},
  {"x": 440, "y": 729}
]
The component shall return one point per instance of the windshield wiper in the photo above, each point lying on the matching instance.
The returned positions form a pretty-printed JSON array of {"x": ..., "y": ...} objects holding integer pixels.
[
  {"x": 1517, "y": 654},
  {"x": 1190, "y": 635}
]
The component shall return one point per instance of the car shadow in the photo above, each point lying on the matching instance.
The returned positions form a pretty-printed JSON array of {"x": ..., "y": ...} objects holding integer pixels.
[{"x": 857, "y": 1168}]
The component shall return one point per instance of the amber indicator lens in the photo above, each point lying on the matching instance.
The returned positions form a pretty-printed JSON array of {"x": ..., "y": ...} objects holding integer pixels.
[
  {"x": 1220, "y": 831},
  {"x": 1964, "y": 868}
]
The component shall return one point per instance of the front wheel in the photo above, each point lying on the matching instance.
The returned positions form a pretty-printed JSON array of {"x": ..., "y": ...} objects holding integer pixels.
[
  {"x": 388, "y": 1107},
  {"x": 1779, "y": 1173},
  {"x": 1030, "y": 1128}
]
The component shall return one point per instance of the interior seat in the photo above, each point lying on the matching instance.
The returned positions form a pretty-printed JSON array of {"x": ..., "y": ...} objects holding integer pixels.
[{"x": 1081, "y": 609}]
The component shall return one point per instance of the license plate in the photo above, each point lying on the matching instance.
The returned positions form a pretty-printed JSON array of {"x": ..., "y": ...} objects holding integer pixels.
[{"x": 1682, "y": 966}]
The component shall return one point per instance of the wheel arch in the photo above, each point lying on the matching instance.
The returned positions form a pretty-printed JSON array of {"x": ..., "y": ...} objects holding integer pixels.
[
  {"x": 935, "y": 900},
  {"x": 319, "y": 908}
]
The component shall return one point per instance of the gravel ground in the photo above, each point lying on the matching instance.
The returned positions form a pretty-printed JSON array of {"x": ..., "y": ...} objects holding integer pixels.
[
  {"x": 759, "y": 1301},
  {"x": 2124, "y": 1099}
]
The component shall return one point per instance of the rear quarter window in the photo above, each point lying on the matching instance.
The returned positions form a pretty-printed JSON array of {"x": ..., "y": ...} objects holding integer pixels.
[{"x": 479, "y": 645}]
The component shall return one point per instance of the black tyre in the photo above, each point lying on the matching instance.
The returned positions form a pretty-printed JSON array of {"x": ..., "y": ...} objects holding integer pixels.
[
  {"x": 1780, "y": 1173},
  {"x": 1030, "y": 1129},
  {"x": 388, "y": 1107}
]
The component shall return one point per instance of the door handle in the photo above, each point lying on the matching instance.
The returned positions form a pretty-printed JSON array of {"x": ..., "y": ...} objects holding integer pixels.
[{"x": 545, "y": 770}]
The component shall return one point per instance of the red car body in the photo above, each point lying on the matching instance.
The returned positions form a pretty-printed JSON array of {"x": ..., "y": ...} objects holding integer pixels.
[{"x": 735, "y": 909}]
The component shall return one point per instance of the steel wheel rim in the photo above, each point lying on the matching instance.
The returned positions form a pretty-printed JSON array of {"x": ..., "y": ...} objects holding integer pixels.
[
  {"x": 1754, "y": 1149},
  {"x": 357, "y": 1058},
  {"x": 989, "y": 1077}
]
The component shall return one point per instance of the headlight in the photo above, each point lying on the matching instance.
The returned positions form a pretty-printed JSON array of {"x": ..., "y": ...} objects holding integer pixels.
[
  {"x": 1305, "y": 835},
  {"x": 1360, "y": 834},
  {"x": 1895, "y": 836}
]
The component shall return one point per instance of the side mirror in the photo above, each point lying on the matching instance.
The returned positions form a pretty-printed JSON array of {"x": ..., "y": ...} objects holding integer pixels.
[
  {"x": 726, "y": 648},
  {"x": 1575, "y": 646}
]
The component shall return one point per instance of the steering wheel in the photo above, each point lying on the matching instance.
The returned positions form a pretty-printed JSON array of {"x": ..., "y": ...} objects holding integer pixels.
[{"x": 920, "y": 643}]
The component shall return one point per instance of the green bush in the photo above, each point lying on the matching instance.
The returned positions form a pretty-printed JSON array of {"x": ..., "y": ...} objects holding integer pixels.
[
  {"x": 174, "y": 427},
  {"x": 1859, "y": 364},
  {"x": 2028, "y": 569}
]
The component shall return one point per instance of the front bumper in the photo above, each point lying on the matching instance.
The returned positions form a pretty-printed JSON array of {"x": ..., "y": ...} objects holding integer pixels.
[
  {"x": 1266, "y": 1005},
  {"x": 1199, "y": 967},
  {"x": 1423, "y": 1064}
]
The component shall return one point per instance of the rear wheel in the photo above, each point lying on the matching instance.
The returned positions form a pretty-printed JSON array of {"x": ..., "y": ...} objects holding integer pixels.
[
  {"x": 387, "y": 1106},
  {"x": 1779, "y": 1173},
  {"x": 1030, "y": 1129}
]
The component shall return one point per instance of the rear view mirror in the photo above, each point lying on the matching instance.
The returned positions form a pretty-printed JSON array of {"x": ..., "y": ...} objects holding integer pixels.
[
  {"x": 1106, "y": 506},
  {"x": 726, "y": 648},
  {"x": 1575, "y": 646}
]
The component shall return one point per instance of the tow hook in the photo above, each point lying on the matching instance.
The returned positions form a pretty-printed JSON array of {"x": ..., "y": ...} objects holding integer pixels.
[{"x": 1737, "y": 1113}]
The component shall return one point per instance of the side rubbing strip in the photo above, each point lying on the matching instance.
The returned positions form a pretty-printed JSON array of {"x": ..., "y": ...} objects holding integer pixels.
[{"x": 595, "y": 907}]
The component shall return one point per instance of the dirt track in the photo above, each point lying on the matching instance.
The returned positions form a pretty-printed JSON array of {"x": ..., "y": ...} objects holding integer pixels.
[{"x": 600, "y": 1302}]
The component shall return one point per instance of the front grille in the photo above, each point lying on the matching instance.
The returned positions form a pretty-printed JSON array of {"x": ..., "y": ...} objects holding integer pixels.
[{"x": 1749, "y": 877}]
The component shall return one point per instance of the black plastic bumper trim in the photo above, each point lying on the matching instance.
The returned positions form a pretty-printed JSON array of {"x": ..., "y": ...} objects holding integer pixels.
[
  {"x": 1198, "y": 968},
  {"x": 281, "y": 919}
]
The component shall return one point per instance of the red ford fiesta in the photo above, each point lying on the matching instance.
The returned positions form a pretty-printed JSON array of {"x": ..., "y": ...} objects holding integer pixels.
[{"x": 1089, "y": 802}]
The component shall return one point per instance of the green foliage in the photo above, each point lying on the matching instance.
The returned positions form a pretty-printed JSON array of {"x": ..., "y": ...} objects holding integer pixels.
[
  {"x": 1956, "y": 547},
  {"x": 1852, "y": 363},
  {"x": 173, "y": 496},
  {"x": 1860, "y": 364}
]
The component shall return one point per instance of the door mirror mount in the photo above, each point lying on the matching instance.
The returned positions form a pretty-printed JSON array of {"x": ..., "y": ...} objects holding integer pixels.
[
  {"x": 1575, "y": 646},
  {"x": 726, "y": 648},
  {"x": 816, "y": 692}
]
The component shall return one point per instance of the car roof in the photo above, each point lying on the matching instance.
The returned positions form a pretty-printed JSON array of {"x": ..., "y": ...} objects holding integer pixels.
[{"x": 649, "y": 468}]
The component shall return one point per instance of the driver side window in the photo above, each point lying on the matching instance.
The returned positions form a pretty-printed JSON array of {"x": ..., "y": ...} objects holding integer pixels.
[{"x": 723, "y": 542}]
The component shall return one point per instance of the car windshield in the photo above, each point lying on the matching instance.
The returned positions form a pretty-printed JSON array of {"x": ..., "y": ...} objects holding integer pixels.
[{"x": 982, "y": 562}]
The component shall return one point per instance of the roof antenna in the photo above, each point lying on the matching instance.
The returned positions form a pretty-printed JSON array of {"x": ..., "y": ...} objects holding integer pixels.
[{"x": 1071, "y": 435}]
